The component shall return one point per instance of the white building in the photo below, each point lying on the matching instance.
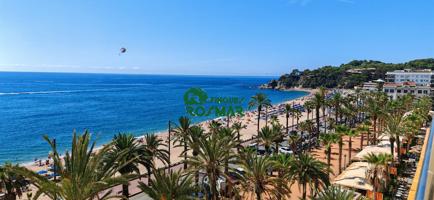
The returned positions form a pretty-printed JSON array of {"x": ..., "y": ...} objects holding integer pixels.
[
  {"x": 370, "y": 86},
  {"x": 395, "y": 90},
  {"x": 420, "y": 77}
]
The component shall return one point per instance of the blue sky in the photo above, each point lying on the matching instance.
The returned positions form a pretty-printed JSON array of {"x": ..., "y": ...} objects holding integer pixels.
[{"x": 233, "y": 37}]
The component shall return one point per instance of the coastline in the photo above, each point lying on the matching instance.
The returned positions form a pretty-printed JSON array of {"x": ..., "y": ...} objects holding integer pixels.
[{"x": 248, "y": 119}]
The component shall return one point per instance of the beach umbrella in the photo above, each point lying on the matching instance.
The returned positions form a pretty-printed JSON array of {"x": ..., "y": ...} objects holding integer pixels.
[{"x": 42, "y": 172}]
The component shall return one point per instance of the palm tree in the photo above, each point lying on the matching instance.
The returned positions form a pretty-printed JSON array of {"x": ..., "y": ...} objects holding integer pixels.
[
  {"x": 395, "y": 126},
  {"x": 136, "y": 154},
  {"x": 267, "y": 137},
  {"x": 350, "y": 112},
  {"x": 336, "y": 101},
  {"x": 274, "y": 120},
  {"x": 170, "y": 186},
  {"x": 350, "y": 133},
  {"x": 331, "y": 122},
  {"x": 153, "y": 145},
  {"x": 309, "y": 106},
  {"x": 374, "y": 104},
  {"x": 293, "y": 140},
  {"x": 378, "y": 167},
  {"x": 307, "y": 170},
  {"x": 278, "y": 135},
  {"x": 292, "y": 112},
  {"x": 328, "y": 140},
  {"x": 297, "y": 115},
  {"x": 259, "y": 100},
  {"x": 341, "y": 130},
  {"x": 256, "y": 180},
  {"x": 325, "y": 103},
  {"x": 85, "y": 174},
  {"x": 335, "y": 193},
  {"x": 238, "y": 126},
  {"x": 181, "y": 133},
  {"x": 10, "y": 182},
  {"x": 319, "y": 102},
  {"x": 288, "y": 111},
  {"x": 196, "y": 134},
  {"x": 214, "y": 155},
  {"x": 283, "y": 164},
  {"x": 413, "y": 123},
  {"x": 214, "y": 126},
  {"x": 362, "y": 129},
  {"x": 266, "y": 114},
  {"x": 307, "y": 126}
]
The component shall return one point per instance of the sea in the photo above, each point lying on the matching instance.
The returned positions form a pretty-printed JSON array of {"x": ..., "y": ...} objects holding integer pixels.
[{"x": 57, "y": 104}]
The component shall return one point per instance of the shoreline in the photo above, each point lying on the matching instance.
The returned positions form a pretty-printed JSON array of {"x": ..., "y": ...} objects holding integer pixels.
[{"x": 163, "y": 133}]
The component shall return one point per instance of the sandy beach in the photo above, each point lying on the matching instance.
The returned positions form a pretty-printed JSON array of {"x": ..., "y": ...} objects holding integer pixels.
[{"x": 250, "y": 120}]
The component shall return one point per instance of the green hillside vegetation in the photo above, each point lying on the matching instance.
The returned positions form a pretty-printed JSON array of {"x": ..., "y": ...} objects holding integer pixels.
[{"x": 346, "y": 75}]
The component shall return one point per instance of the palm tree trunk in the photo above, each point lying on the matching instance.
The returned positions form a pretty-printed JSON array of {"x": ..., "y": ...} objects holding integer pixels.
[
  {"x": 329, "y": 152},
  {"x": 297, "y": 121},
  {"x": 325, "y": 121},
  {"x": 196, "y": 175},
  {"x": 398, "y": 145},
  {"x": 336, "y": 114},
  {"x": 292, "y": 123},
  {"x": 374, "y": 185},
  {"x": 214, "y": 187},
  {"x": 361, "y": 140},
  {"x": 304, "y": 190},
  {"x": 308, "y": 112},
  {"x": 259, "y": 118},
  {"x": 229, "y": 119},
  {"x": 238, "y": 136},
  {"x": 125, "y": 191},
  {"x": 392, "y": 146},
  {"x": 258, "y": 195},
  {"x": 368, "y": 138},
  {"x": 340, "y": 154},
  {"x": 267, "y": 150},
  {"x": 148, "y": 168},
  {"x": 266, "y": 115},
  {"x": 409, "y": 141},
  {"x": 11, "y": 196},
  {"x": 185, "y": 155},
  {"x": 349, "y": 150},
  {"x": 317, "y": 123},
  {"x": 375, "y": 131},
  {"x": 287, "y": 124},
  {"x": 276, "y": 151}
]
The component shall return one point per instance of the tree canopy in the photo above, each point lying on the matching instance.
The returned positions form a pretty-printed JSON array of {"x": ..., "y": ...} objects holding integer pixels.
[{"x": 346, "y": 75}]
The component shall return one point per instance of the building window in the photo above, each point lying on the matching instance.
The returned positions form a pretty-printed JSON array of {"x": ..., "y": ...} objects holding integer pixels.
[
  {"x": 419, "y": 91},
  {"x": 405, "y": 91},
  {"x": 425, "y": 92},
  {"x": 386, "y": 90},
  {"x": 398, "y": 91},
  {"x": 392, "y": 90}
]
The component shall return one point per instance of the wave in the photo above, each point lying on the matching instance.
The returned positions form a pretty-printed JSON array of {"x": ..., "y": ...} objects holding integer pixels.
[{"x": 58, "y": 91}]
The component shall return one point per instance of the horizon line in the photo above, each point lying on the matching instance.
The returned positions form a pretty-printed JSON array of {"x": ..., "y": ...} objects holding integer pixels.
[{"x": 138, "y": 74}]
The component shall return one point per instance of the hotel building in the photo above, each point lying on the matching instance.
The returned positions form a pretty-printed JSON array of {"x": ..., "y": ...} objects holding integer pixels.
[
  {"x": 420, "y": 77},
  {"x": 396, "y": 90}
]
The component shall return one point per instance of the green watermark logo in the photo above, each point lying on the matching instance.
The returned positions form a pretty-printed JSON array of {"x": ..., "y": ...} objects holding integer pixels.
[{"x": 198, "y": 103}]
